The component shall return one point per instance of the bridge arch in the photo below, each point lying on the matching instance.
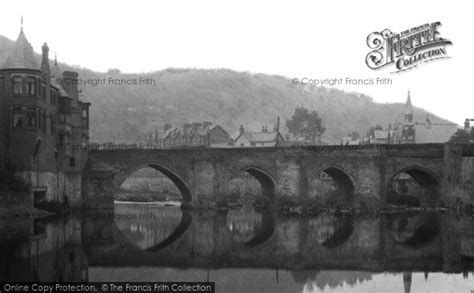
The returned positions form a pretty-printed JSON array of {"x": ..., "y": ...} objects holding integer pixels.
[
  {"x": 428, "y": 185},
  {"x": 342, "y": 179},
  {"x": 267, "y": 182},
  {"x": 171, "y": 174}
]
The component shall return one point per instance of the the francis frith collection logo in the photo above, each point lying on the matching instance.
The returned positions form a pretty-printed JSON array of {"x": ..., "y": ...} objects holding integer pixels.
[{"x": 408, "y": 49}]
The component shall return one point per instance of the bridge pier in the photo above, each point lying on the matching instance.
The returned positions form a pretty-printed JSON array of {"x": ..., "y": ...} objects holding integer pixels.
[
  {"x": 98, "y": 190},
  {"x": 456, "y": 175}
]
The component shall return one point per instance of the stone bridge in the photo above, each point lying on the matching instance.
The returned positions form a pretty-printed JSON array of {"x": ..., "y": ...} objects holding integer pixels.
[{"x": 202, "y": 175}]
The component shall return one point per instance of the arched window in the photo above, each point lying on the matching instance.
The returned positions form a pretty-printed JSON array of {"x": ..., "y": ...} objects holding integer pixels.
[{"x": 85, "y": 117}]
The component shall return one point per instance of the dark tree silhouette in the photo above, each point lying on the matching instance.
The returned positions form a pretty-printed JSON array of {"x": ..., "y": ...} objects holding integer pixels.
[
  {"x": 373, "y": 128},
  {"x": 461, "y": 136},
  {"x": 305, "y": 124},
  {"x": 354, "y": 135}
]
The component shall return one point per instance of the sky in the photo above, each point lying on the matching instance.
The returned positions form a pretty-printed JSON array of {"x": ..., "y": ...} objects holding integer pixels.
[{"x": 296, "y": 39}]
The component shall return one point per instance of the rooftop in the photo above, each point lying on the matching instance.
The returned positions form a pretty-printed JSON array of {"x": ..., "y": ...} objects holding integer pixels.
[{"x": 21, "y": 55}]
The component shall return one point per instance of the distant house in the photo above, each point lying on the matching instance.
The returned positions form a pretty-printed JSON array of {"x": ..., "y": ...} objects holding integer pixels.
[
  {"x": 190, "y": 135},
  {"x": 264, "y": 138},
  {"x": 348, "y": 140},
  {"x": 388, "y": 136},
  {"x": 434, "y": 133},
  {"x": 411, "y": 131}
]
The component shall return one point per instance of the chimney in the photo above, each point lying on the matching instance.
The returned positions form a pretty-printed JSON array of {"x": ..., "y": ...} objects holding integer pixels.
[
  {"x": 466, "y": 124},
  {"x": 45, "y": 62},
  {"x": 70, "y": 83},
  {"x": 241, "y": 129}
]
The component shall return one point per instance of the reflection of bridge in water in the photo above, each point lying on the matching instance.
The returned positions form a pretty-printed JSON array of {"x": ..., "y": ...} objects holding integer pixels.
[
  {"x": 397, "y": 243},
  {"x": 241, "y": 250}
]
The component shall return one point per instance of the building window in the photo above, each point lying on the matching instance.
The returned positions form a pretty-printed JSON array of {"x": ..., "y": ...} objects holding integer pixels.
[
  {"x": 53, "y": 124},
  {"x": 17, "y": 86},
  {"x": 85, "y": 118},
  {"x": 17, "y": 117},
  {"x": 62, "y": 118},
  {"x": 53, "y": 97},
  {"x": 84, "y": 141},
  {"x": 30, "y": 86},
  {"x": 31, "y": 114},
  {"x": 68, "y": 142},
  {"x": 43, "y": 93},
  {"x": 72, "y": 161},
  {"x": 61, "y": 138}
]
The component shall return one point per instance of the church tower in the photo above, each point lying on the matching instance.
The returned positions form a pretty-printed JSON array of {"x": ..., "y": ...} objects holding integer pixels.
[{"x": 408, "y": 131}]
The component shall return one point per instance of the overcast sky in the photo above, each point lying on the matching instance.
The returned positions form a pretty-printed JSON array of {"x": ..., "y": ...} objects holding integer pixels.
[{"x": 312, "y": 39}]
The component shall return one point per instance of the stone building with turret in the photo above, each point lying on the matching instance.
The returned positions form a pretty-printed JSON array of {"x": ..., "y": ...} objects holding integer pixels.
[
  {"x": 44, "y": 127},
  {"x": 411, "y": 130}
]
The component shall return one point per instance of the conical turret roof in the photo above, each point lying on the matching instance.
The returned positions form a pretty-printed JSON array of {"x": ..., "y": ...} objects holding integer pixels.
[{"x": 21, "y": 56}]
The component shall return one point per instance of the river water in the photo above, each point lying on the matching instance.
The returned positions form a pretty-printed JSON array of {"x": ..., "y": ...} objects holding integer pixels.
[{"x": 244, "y": 250}]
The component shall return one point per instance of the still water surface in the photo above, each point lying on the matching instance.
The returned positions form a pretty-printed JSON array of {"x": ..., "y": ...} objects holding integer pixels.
[{"x": 244, "y": 250}]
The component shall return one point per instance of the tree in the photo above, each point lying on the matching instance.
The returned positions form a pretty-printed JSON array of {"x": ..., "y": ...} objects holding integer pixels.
[
  {"x": 114, "y": 71},
  {"x": 354, "y": 135},
  {"x": 305, "y": 124},
  {"x": 461, "y": 136},
  {"x": 372, "y": 129}
]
